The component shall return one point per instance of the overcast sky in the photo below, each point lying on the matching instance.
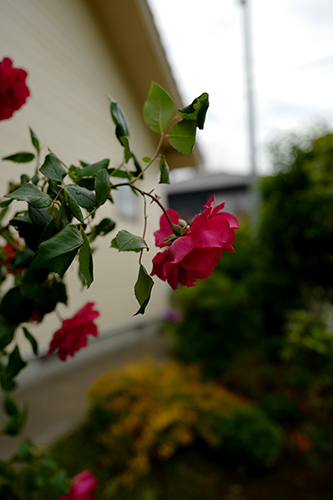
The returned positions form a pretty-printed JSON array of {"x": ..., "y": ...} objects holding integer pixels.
[{"x": 292, "y": 47}]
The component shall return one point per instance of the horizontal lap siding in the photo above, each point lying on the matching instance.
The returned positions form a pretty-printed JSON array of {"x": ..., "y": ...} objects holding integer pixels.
[{"x": 71, "y": 68}]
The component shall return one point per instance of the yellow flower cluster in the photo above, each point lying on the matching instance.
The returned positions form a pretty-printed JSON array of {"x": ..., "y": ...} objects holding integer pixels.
[{"x": 153, "y": 410}]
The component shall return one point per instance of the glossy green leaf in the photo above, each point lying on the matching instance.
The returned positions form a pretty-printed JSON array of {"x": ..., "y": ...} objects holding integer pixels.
[
  {"x": 39, "y": 216},
  {"x": 53, "y": 169},
  {"x": 158, "y": 108},
  {"x": 102, "y": 187},
  {"x": 118, "y": 118},
  {"x": 34, "y": 140},
  {"x": 182, "y": 136},
  {"x": 74, "y": 206},
  {"x": 142, "y": 289},
  {"x": 32, "y": 341},
  {"x": 197, "y": 110},
  {"x": 84, "y": 197},
  {"x": 57, "y": 253},
  {"x": 164, "y": 171},
  {"x": 128, "y": 242},
  {"x": 146, "y": 159},
  {"x": 22, "y": 157},
  {"x": 31, "y": 194},
  {"x": 91, "y": 170},
  {"x": 85, "y": 259}
]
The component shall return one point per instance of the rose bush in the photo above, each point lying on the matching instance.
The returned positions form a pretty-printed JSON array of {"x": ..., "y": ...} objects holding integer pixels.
[
  {"x": 196, "y": 252},
  {"x": 13, "y": 89},
  {"x": 83, "y": 487},
  {"x": 73, "y": 333}
]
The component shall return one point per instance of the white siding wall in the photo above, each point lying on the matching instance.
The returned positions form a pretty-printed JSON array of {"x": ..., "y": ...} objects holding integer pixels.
[{"x": 71, "y": 68}]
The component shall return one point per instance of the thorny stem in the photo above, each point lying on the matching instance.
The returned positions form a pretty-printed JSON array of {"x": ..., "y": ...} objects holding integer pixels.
[
  {"x": 144, "y": 224},
  {"x": 153, "y": 197}
]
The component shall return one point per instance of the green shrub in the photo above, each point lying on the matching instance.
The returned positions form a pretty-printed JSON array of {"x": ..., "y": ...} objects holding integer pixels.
[
  {"x": 146, "y": 413},
  {"x": 221, "y": 314},
  {"x": 250, "y": 438}
]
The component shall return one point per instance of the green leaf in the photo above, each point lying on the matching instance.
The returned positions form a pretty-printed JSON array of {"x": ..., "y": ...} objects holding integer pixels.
[
  {"x": 5, "y": 203},
  {"x": 146, "y": 159},
  {"x": 182, "y": 136},
  {"x": 53, "y": 169},
  {"x": 15, "y": 364},
  {"x": 24, "y": 179},
  {"x": 127, "y": 151},
  {"x": 164, "y": 171},
  {"x": 39, "y": 216},
  {"x": 119, "y": 119},
  {"x": 31, "y": 194},
  {"x": 128, "y": 242},
  {"x": 102, "y": 187},
  {"x": 196, "y": 110},
  {"x": 104, "y": 227},
  {"x": 15, "y": 308},
  {"x": 158, "y": 108},
  {"x": 6, "y": 334},
  {"x": 11, "y": 426},
  {"x": 57, "y": 253},
  {"x": 74, "y": 206},
  {"x": 24, "y": 450},
  {"x": 84, "y": 197},
  {"x": 32, "y": 341},
  {"x": 10, "y": 406},
  {"x": 138, "y": 168},
  {"x": 22, "y": 157},
  {"x": 142, "y": 289},
  {"x": 91, "y": 170},
  {"x": 34, "y": 140},
  {"x": 58, "y": 486},
  {"x": 85, "y": 260}
]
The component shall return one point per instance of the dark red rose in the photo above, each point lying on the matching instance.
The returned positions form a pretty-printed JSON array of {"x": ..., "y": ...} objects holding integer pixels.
[
  {"x": 13, "y": 89},
  {"x": 197, "y": 252},
  {"x": 73, "y": 333},
  {"x": 83, "y": 487}
]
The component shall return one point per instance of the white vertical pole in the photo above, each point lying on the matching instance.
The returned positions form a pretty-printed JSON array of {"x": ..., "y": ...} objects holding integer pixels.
[{"x": 250, "y": 100}]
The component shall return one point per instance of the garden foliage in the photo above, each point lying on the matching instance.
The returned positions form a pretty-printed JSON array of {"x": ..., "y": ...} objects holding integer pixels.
[
  {"x": 263, "y": 322},
  {"x": 147, "y": 413}
]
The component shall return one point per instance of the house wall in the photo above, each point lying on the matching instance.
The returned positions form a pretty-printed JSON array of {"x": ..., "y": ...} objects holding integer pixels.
[{"x": 71, "y": 68}]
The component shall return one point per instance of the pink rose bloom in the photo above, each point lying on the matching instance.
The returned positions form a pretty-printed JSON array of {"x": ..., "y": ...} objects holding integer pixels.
[
  {"x": 13, "y": 89},
  {"x": 73, "y": 333},
  {"x": 82, "y": 488},
  {"x": 197, "y": 252}
]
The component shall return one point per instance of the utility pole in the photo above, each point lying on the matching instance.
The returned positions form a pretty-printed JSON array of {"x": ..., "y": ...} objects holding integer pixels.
[{"x": 250, "y": 101}]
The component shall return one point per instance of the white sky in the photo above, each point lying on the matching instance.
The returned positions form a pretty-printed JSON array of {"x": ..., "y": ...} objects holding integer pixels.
[{"x": 292, "y": 48}]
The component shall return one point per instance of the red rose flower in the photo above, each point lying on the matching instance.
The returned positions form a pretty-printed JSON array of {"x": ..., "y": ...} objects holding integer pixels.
[
  {"x": 197, "y": 252},
  {"x": 8, "y": 253},
  {"x": 13, "y": 89},
  {"x": 73, "y": 333},
  {"x": 82, "y": 488}
]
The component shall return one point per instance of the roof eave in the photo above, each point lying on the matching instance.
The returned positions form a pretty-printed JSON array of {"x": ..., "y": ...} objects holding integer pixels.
[{"x": 130, "y": 29}]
